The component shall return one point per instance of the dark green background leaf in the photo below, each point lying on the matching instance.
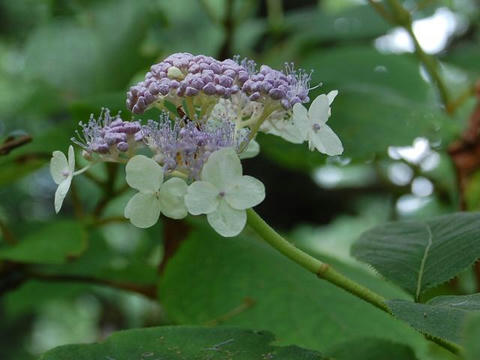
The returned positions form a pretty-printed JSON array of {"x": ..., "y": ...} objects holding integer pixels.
[
  {"x": 54, "y": 243},
  {"x": 371, "y": 349},
  {"x": 471, "y": 337},
  {"x": 182, "y": 343},
  {"x": 210, "y": 277}
]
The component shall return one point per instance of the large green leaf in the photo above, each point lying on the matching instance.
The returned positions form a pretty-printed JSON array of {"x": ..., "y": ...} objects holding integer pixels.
[
  {"x": 101, "y": 261},
  {"x": 243, "y": 282},
  {"x": 419, "y": 255},
  {"x": 356, "y": 22},
  {"x": 393, "y": 74},
  {"x": 471, "y": 337},
  {"x": 53, "y": 243},
  {"x": 442, "y": 317},
  {"x": 371, "y": 349},
  {"x": 182, "y": 343},
  {"x": 102, "y": 53}
]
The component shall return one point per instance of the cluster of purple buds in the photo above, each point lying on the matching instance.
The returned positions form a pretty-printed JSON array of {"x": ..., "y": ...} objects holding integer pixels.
[
  {"x": 288, "y": 87},
  {"x": 108, "y": 134},
  {"x": 185, "y": 146},
  {"x": 183, "y": 74}
]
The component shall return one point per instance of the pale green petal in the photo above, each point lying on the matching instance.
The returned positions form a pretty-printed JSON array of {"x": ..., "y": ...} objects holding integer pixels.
[
  {"x": 144, "y": 174},
  {"x": 247, "y": 192},
  {"x": 326, "y": 141},
  {"x": 252, "y": 150},
  {"x": 172, "y": 198},
  {"x": 61, "y": 192},
  {"x": 319, "y": 111},
  {"x": 301, "y": 120},
  {"x": 202, "y": 198},
  {"x": 143, "y": 210},
  {"x": 222, "y": 168},
  {"x": 292, "y": 133},
  {"x": 59, "y": 167},
  {"x": 71, "y": 159},
  {"x": 331, "y": 96},
  {"x": 226, "y": 220}
]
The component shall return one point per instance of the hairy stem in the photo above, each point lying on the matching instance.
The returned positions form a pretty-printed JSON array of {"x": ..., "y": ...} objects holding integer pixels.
[
  {"x": 315, "y": 266},
  {"x": 323, "y": 270}
]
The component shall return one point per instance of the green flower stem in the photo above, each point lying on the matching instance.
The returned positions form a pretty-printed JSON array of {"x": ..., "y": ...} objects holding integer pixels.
[
  {"x": 319, "y": 268},
  {"x": 325, "y": 271}
]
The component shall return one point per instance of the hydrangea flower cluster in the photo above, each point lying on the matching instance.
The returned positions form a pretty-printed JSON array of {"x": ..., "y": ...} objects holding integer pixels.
[
  {"x": 194, "y": 166},
  {"x": 109, "y": 135}
]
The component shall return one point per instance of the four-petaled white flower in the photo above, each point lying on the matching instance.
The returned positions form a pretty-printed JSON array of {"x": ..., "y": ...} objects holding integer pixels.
[
  {"x": 312, "y": 125},
  {"x": 154, "y": 196},
  {"x": 62, "y": 171},
  {"x": 224, "y": 193}
]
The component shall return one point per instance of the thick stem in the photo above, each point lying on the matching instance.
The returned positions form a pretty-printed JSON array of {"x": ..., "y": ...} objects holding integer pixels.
[
  {"x": 325, "y": 271},
  {"x": 315, "y": 266}
]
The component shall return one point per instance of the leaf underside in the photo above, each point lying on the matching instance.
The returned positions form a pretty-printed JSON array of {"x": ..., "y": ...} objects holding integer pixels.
[
  {"x": 420, "y": 255},
  {"x": 442, "y": 317}
]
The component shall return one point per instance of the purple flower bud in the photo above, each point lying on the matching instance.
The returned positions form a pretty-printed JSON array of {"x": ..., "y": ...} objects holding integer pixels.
[
  {"x": 102, "y": 134},
  {"x": 255, "y": 96},
  {"x": 209, "y": 89},
  {"x": 122, "y": 146},
  {"x": 190, "y": 91}
]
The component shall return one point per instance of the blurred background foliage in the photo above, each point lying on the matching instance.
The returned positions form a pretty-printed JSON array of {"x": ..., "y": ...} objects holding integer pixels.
[{"x": 77, "y": 277}]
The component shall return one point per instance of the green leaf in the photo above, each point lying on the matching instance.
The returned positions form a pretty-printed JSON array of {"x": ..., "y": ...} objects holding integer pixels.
[
  {"x": 418, "y": 255},
  {"x": 471, "y": 337},
  {"x": 392, "y": 74},
  {"x": 179, "y": 343},
  {"x": 370, "y": 119},
  {"x": 100, "y": 54},
  {"x": 442, "y": 317},
  {"x": 244, "y": 282},
  {"x": 371, "y": 349},
  {"x": 101, "y": 261},
  {"x": 53, "y": 243},
  {"x": 357, "y": 22}
]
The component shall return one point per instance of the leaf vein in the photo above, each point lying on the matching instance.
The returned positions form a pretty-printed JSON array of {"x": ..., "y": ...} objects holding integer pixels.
[{"x": 424, "y": 260}]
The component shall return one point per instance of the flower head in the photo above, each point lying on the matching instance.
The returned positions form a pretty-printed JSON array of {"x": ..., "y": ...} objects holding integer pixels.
[
  {"x": 186, "y": 145},
  {"x": 108, "y": 135},
  {"x": 154, "y": 196},
  {"x": 312, "y": 125},
  {"x": 62, "y": 171},
  {"x": 288, "y": 87},
  {"x": 186, "y": 75},
  {"x": 224, "y": 193}
]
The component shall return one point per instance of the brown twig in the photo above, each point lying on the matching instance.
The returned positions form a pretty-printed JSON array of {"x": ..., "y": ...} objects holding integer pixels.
[
  {"x": 245, "y": 305},
  {"x": 148, "y": 291},
  {"x": 13, "y": 142},
  {"x": 465, "y": 152},
  {"x": 7, "y": 234}
]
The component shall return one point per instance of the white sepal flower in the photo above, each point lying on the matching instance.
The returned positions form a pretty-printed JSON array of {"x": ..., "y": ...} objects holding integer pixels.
[
  {"x": 62, "y": 171},
  {"x": 154, "y": 196},
  {"x": 224, "y": 193},
  {"x": 313, "y": 127},
  {"x": 280, "y": 123}
]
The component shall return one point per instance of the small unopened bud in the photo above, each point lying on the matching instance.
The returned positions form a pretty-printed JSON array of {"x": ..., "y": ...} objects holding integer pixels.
[{"x": 175, "y": 73}]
